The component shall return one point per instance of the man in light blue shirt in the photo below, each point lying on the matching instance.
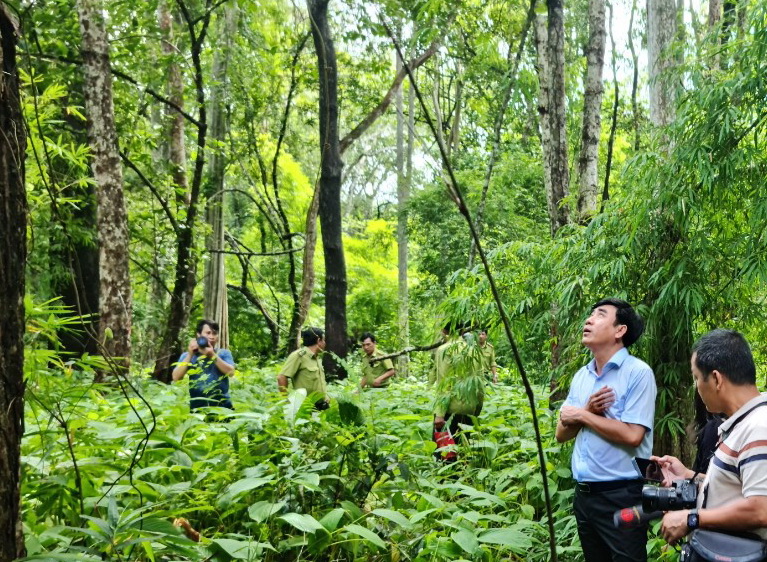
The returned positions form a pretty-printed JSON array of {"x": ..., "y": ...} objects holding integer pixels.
[{"x": 609, "y": 412}]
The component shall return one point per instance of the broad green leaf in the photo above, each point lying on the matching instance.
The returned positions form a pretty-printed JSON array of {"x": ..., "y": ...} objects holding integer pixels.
[
  {"x": 466, "y": 540},
  {"x": 263, "y": 510},
  {"x": 365, "y": 533},
  {"x": 331, "y": 519},
  {"x": 303, "y": 522},
  {"x": 393, "y": 516},
  {"x": 293, "y": 404},
  {"x": 309, "y": 480},
  {"x": 511, "y": 538},
  {"x": 242, "y": 550},
  {"x": 236, "y": 489}
]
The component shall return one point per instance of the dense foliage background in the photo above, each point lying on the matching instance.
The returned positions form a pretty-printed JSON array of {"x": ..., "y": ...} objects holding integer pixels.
[{"x": 221, "y": 118}]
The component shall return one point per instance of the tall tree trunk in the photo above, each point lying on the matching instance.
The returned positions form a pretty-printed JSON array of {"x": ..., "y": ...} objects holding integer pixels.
[
  {"x": 560, "y": 170},
  {"x": 330, "y": 188},
  {"x": 13, "y": 257},
  {"x": 114, "y": 288},
  {"x": 661, "y": 31},
  {"x": 215, "y": 300},
  {"x": 634, "y": 76},
  {"x": 544, "y": 123},
  {"x": 672, "y": 333},
  {"x": 174, "y": 119},
  {"x": 614, "y": 117},
  {"x": 403, "y": 193},
  {"x": 588, "y": 176},
  {"x": 186, "y": 266}
]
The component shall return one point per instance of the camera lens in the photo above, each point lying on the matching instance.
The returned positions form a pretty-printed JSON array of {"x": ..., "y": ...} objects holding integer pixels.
[{"x": 650, "y": 499}]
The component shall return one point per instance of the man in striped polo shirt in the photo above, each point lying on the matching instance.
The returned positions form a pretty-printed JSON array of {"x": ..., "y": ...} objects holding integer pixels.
[{"x": 734, "y": 490}]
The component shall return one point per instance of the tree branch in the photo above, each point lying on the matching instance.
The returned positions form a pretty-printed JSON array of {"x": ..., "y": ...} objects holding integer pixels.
[
  {"x": 371, "y": 117},
  {"x": 407, "y": 350},
  {"x": 153, "y": 189},
  {"x": 128, "y": 79}
]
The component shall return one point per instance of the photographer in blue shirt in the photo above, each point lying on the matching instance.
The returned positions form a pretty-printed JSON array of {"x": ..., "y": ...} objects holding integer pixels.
[
  {"x": 609, "y": 412},
  {"x": 209, "y": 369}
]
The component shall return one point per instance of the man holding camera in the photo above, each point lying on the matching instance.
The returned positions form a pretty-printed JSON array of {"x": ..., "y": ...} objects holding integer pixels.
[
  {"x": 733, "y": 496},
  {"x": 304, "y": 368},
  {"x": 609, "y": 412},
  {"x": 209, "y": 369}
]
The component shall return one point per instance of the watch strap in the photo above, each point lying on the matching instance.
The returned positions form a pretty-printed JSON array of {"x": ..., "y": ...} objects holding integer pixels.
[{"x": 692, "y": 519}]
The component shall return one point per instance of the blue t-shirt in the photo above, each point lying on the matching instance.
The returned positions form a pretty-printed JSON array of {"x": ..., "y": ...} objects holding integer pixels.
[
  {"x": 595, "y": 459},
  {"x": 208, "y": 386}
]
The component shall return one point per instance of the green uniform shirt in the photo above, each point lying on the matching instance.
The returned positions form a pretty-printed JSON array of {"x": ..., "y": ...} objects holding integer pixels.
[
  {"x": 304, "y": 368},
  {"x": 372, "y": 372},
  {"x": 488, "y": 357}
]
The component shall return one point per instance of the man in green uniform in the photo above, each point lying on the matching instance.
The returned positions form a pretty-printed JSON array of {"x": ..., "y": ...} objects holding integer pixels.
[
  {"x": 304, "y": 367},
  {"x": 488, "y": 356},
  {"x": 378, "y": 374},
  {"x": 437, "y": 356}
]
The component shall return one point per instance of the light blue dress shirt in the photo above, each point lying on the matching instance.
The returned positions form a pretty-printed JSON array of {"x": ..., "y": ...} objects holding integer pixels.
[{"x": 595, "y": 459}]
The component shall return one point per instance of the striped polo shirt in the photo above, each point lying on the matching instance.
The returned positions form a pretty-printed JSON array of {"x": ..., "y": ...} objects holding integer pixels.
[{"x": 738, "y": 468}]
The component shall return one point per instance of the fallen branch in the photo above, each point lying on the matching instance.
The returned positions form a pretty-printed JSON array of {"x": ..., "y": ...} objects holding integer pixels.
[{"x": 407, "y": 350}]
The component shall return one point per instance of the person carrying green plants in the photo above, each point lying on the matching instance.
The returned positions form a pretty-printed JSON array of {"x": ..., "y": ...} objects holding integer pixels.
[
  {"x": 460, "y": 387},
  {"x": 488, "y": 356}
]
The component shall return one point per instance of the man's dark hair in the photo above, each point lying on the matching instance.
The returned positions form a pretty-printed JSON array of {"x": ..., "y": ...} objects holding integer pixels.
[
  {"x": 310, "y": 336},
  {"x": 626, "y": 315},
  {"x": 726, "y": 351},
  {"x": 201, "y": 325},
  {"x": 368, "y": 336}
]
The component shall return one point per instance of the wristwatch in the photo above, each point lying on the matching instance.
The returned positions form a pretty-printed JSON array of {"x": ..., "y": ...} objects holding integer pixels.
[{"x": 692, "y": 519}]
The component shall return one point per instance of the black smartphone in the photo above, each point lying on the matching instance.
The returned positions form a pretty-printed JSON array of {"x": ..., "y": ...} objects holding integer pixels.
[{"x": 649, "y": 470}]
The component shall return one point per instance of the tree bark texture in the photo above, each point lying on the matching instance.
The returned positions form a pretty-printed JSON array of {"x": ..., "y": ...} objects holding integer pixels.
[
  {"x": 174, "y": 119},
  {"x": 13, "y": 250},
  {"x": 588, "y": 176},
  {"x": 544, "y": 87},
  {"x": 661, "y": 31},
  {"x": 560, "y": 170},
  {"x": 115, "y": 306},
  {"x": 215, "y": 300},
  {"x": 330, "y": 187}
]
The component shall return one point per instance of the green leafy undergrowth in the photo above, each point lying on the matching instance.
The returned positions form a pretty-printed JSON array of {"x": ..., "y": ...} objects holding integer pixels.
[{"x": 108, "y": 469}]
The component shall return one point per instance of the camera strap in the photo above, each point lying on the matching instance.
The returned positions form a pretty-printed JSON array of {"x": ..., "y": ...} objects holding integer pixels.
[{"x": 724, "y": 436}]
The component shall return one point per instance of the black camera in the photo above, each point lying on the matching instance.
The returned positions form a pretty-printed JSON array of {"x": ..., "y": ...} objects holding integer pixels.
[
  {"x": 682, "y": 494},
  {"x": 202, "y": 342}
]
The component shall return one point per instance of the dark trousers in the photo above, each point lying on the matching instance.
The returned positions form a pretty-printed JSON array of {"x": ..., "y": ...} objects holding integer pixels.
[
  {"x": 455, "y": 420},
  {"x": 600, "y": 540}
]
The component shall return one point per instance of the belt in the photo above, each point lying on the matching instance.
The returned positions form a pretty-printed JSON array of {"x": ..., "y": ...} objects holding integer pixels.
[{"x": 599, "y": 487}]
